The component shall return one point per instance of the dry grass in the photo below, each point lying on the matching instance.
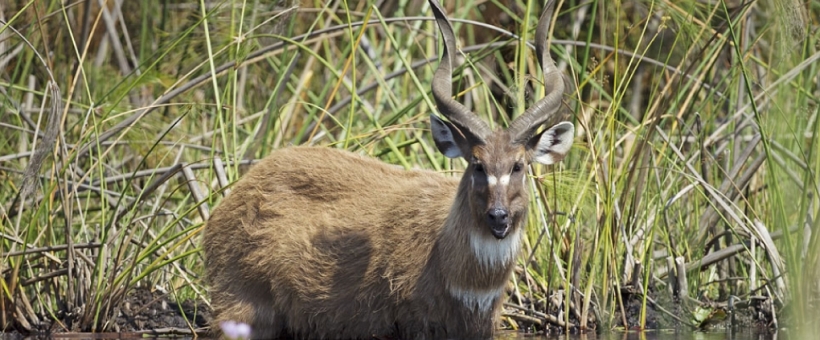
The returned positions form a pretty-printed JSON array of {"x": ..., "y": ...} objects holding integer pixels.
[{"x": 692, "y": 183}]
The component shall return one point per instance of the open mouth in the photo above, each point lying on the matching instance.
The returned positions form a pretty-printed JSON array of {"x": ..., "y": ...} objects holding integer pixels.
[{"x": 500, "y": 231}]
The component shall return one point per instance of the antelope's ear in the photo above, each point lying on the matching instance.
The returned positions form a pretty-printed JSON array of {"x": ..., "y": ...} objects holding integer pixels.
[
  {"x": 550, "y": 146},
  {"x": 450, "y": 141}
]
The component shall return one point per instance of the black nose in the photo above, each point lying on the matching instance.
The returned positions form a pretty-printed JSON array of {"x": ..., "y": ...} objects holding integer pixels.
[{"x": 498, "y": 217}]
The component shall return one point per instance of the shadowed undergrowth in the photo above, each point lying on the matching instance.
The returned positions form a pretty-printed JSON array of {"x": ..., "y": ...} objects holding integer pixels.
[{"x": 688, "y": 199}]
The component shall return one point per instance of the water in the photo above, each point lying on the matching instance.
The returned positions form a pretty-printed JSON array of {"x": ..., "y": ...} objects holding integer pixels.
[
  {"x": 653, "y": 335},
  {"x": 649, "y": 335}
]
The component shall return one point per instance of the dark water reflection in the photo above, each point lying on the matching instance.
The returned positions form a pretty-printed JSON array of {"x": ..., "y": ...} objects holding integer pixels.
[{"x": 653, "y": 335}]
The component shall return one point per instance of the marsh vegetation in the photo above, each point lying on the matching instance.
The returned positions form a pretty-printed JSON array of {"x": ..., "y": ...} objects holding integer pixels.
[{"x": 689, "y": 198}]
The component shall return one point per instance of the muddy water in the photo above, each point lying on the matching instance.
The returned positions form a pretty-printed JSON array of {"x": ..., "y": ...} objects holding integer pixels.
[
  {"x": 503, "y": 335},
  {"x": 654, "y": 335}
]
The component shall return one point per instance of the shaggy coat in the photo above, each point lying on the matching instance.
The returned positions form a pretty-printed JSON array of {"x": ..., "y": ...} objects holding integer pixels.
[
  {"x": 323, "y": 243},
  {"x": 308, "y": 250}
]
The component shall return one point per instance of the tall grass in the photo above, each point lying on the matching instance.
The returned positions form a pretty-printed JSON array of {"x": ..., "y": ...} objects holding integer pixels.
[{"x": 690, "y": 192}]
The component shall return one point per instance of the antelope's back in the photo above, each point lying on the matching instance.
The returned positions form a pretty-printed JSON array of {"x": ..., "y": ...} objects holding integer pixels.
[{"x": 327, "y": 231}]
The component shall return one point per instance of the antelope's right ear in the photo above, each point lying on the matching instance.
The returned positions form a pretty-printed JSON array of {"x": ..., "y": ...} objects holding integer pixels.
[
  {"x": 552, "y": 145},
  {"x": 450, "y": 141}
]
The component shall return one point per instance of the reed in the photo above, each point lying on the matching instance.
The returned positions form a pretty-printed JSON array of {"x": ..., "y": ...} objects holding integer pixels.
[{"x": 689, "y": 192}]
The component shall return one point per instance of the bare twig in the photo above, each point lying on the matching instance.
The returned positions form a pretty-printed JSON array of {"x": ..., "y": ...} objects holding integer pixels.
[
  {"x": 49, "y": 249},
  {"x": 219, "y": 168},
  {"x": 196, "y": 192}
]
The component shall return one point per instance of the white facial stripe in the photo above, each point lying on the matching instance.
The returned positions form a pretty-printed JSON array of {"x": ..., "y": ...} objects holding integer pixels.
[
  {"x": 492, "y": 180},
  {"x": 505, "y": 180},
  {"x": 477, "y": 299},
  {"x": 491, "y": 252}
]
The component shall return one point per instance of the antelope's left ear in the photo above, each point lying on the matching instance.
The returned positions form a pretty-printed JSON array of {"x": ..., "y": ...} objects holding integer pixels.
[{"x": 550, "y": 146}]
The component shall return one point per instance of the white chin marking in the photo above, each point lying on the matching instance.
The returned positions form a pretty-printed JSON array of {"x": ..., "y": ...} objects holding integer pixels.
[
  {"x": 491, "y": 252},
  {"x": 478, "y": 299},
  {"x": 492, "y": 180}
]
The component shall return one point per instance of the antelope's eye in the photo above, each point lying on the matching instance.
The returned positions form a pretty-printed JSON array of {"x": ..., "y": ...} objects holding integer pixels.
[
  {"x": 517, "y": 167},
  {"x": 479, "y": 168}
]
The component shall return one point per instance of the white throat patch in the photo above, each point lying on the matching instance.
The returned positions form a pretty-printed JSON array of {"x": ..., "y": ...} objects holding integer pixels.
[
  {"x": 481, "y": 300},
  {"x": 491, "y": 252}
]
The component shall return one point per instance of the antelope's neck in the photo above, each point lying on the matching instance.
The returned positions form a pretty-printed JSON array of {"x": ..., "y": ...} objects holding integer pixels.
[{"x": 475, "y": 265}]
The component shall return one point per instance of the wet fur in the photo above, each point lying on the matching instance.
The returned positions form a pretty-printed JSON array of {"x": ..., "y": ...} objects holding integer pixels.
[{"x": 323, "y": 243}]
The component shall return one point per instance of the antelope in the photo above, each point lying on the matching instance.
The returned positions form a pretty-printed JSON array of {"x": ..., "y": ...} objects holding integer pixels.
[{"x": 316, "y": 242}]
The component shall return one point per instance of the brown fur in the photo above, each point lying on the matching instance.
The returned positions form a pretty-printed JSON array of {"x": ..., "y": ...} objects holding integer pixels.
[{"x": 322, "y": 243}]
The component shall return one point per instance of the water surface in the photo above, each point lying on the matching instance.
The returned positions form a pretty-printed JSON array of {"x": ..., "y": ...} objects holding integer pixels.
[
  {"x": 654, "y": 335},
  {"x": 510, "y": 335}
]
